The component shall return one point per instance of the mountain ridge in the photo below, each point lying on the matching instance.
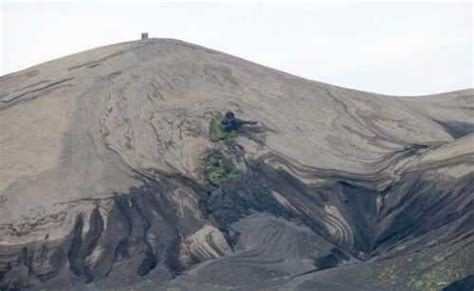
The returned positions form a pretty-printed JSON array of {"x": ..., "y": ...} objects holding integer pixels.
[
  {"x": 116, "y": 172},
  {"x": 196, "y": 46}
]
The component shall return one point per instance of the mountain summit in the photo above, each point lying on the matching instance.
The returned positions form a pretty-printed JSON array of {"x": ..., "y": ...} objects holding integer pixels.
[{"x": 159, "y": 164}]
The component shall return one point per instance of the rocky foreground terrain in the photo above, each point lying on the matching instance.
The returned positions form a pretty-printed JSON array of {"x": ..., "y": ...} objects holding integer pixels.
[{"x": 162, "y": 165}]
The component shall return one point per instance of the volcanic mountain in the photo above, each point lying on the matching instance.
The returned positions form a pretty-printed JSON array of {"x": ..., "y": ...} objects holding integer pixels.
[{"x": 162, "y": 165}]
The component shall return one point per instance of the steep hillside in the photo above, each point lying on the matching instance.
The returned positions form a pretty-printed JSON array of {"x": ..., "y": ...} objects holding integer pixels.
[{"x": 162, "y": 164}]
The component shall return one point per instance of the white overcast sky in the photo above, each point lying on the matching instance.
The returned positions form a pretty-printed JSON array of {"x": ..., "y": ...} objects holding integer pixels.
[{"x": 389, "y": 48}]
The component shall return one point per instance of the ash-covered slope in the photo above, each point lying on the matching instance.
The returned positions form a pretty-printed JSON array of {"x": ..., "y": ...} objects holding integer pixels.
[{"x": 120, "y": 171}]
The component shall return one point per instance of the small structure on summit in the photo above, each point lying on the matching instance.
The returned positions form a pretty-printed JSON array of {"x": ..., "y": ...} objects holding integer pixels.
[{"x": 144, "y": 35}]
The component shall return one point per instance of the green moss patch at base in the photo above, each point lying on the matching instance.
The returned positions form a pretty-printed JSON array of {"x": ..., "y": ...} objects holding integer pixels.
[
  {"x": 218, "y": 133},
  {"x": 218, "y": 169}
]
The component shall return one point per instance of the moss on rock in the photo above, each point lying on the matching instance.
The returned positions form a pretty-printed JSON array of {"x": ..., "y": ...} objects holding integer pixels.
[
  {"x": 218, "y": 132},
  {"x": 218, "y": 169}
]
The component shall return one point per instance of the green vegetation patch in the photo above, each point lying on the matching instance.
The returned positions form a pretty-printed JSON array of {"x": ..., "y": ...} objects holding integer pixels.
[
  {"x": 218, "y": 133},
  {"x": 435, "y": 279},
  {"x": 218, "y": 169}
]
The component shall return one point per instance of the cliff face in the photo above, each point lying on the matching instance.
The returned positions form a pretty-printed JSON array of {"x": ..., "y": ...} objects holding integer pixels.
[{"x": 120, "y": 171}]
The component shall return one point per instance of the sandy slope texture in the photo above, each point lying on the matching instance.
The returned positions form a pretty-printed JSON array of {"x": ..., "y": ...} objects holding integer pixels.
[{"x": 102, "y": 158}]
